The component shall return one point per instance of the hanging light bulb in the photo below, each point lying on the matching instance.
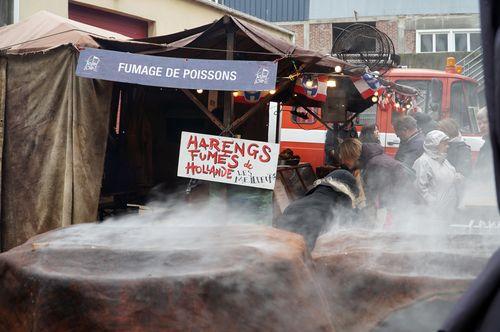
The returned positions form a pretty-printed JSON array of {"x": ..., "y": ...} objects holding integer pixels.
[
  {"x": 376, "y": 94},
  {"x": 272, "y": 92},
  {"x": 331, "y": 83},
  {"x": 374, "y": 99},
  {"x": 200, "y": 91},
  {"x": 236, "y": 93},
  {"x": 397, "y": 105},
  {"x": 309, "y": 83},
  {"x": 408, "y": 106},
  {"x": 338, "y": 69}
]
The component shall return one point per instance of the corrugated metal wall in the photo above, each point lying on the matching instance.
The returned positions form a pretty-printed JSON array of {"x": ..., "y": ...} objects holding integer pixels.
[
  {"x": 272, "y": 10},
  {"x": 328, "y": 9}
]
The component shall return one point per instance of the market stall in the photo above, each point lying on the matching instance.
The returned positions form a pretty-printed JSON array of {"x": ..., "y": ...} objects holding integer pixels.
[{"x": 133, "y": 129}]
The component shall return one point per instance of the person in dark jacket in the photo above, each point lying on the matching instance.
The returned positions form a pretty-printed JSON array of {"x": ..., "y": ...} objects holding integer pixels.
[
  {"x": 333, "y": 196},
  {"x": 425, "y": 123},
  {"x": 484, "y": 162},
  {"x": 459, "y": 154},
  {"x": 385, "y": 181},
  {"x": 411, "y": 146},
  {"x": 369, "y": 134},
  {"x": 333, "y": 140}
]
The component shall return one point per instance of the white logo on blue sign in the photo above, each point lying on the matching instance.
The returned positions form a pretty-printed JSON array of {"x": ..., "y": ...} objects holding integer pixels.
[
  {"x": 262, "y": 76},
  {"x": 92, "y": 63}
]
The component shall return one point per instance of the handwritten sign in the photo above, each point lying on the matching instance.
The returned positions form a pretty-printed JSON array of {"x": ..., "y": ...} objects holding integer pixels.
[
  {"x": 176, "y": 72},
  {"x": 228, "y": 160}
]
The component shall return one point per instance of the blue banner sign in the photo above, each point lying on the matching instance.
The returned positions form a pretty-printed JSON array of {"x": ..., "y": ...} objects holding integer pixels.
[{"x": 176, "y": 72}]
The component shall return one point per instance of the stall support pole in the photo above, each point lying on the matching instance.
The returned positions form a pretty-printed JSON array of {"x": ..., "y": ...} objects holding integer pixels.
[
  {"x": 228, "y": 95},
  {"x": 3, "y": 97},
  {"x": 228, "y": 115},
  {"x": 278, "y": 124}
]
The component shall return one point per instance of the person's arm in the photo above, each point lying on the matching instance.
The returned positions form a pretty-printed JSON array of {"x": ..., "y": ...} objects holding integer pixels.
[
  {"x": 423, "y": 180},
  {"x": 465, "y": 162},
  {"x": 370, "y": 186}
]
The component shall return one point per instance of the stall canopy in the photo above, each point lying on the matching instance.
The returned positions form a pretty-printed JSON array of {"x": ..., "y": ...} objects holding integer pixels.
[
  {"x": 44, "y": 31},
  {"x": 209, "y": 42},
  {"x": 55, "y": 129},
  {"x": 250, "y": 43}
]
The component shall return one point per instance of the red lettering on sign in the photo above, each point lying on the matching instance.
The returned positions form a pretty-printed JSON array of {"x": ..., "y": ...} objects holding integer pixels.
[
  {"x": 213, "y": 156},
  {"x": 253, "y": 150},
  {"x": 194, "y": 153},
  {"x": 214, "y": 144},
  {"x": 234, "y": 161},
  {"x": 193, "y": 140},
  {"x": 239, "y": 148},
  {"x": 222, "y": 158},
  {"x": 266, "y": 149},
  {"x": 203, "y": 143},
  {"x": 193, "y": 169},
  {"x": 226, "y": 145}
]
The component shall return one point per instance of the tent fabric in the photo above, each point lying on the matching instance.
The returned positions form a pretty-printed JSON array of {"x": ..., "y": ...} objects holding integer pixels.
[
  {"x": 56, "y": 126},
  {"x": 209, "y": 42},
  {"x": 44, "y": 31}
]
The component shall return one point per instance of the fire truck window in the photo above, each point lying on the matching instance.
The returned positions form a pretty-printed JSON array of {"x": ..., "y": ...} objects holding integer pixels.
[
  {"x": 459, "y": 107},
  {"x": 369, "y": 116},
  {"x": 428, "y": 101},
  {"x": 472, "y": 106},
  {"x": 472, "y": 95},
  {"x": 300, "y": 115}
]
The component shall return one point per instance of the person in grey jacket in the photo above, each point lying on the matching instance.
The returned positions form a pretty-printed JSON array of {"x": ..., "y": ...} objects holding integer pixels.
[{"x": 436, "y": 179}]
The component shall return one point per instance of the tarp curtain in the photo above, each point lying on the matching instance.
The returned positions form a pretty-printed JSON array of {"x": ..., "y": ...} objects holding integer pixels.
[{"x": 56, "y": 126}]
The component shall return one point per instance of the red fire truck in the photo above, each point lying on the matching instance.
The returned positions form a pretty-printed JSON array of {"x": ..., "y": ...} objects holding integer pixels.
[{"x": 443, "y": 94}]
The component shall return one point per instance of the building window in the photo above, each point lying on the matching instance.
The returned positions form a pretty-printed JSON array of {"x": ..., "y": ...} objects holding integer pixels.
[{"x": 457, "y": 40}]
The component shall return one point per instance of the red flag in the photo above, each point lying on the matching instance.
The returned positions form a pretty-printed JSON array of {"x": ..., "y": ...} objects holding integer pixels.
[{"x": 367, "y": 85}]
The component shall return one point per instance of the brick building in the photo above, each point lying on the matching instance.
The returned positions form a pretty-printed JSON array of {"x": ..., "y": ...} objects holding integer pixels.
[{"x": 424, "y": 32}]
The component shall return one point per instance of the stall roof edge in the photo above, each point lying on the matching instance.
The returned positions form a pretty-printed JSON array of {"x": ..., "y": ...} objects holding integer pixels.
[{"x": 209, "y": 34}]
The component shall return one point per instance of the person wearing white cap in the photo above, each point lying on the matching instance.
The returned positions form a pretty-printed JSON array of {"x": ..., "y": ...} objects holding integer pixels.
[{"x": 436, "y": 179}]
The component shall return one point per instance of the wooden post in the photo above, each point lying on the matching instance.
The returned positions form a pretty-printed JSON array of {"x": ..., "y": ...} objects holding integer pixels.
[
  {"x": 3, "y": 100},
  {"x": 221, "y": 189},
  {"x": 202, "y": 107},
  {"x": 228, "y": 95}
]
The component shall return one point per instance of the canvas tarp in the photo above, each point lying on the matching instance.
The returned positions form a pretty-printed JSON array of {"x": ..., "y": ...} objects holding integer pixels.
[
  {"x": 44, "y": 30},
  {"x": 56, "y": 126}
]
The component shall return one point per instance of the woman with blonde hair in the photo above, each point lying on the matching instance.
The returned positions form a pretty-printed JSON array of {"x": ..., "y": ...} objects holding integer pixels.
[{"x": 349, "y": 153}]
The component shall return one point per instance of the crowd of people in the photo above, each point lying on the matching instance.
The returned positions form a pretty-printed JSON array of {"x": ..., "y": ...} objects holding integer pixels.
[{"x": 427, "y": 173}]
